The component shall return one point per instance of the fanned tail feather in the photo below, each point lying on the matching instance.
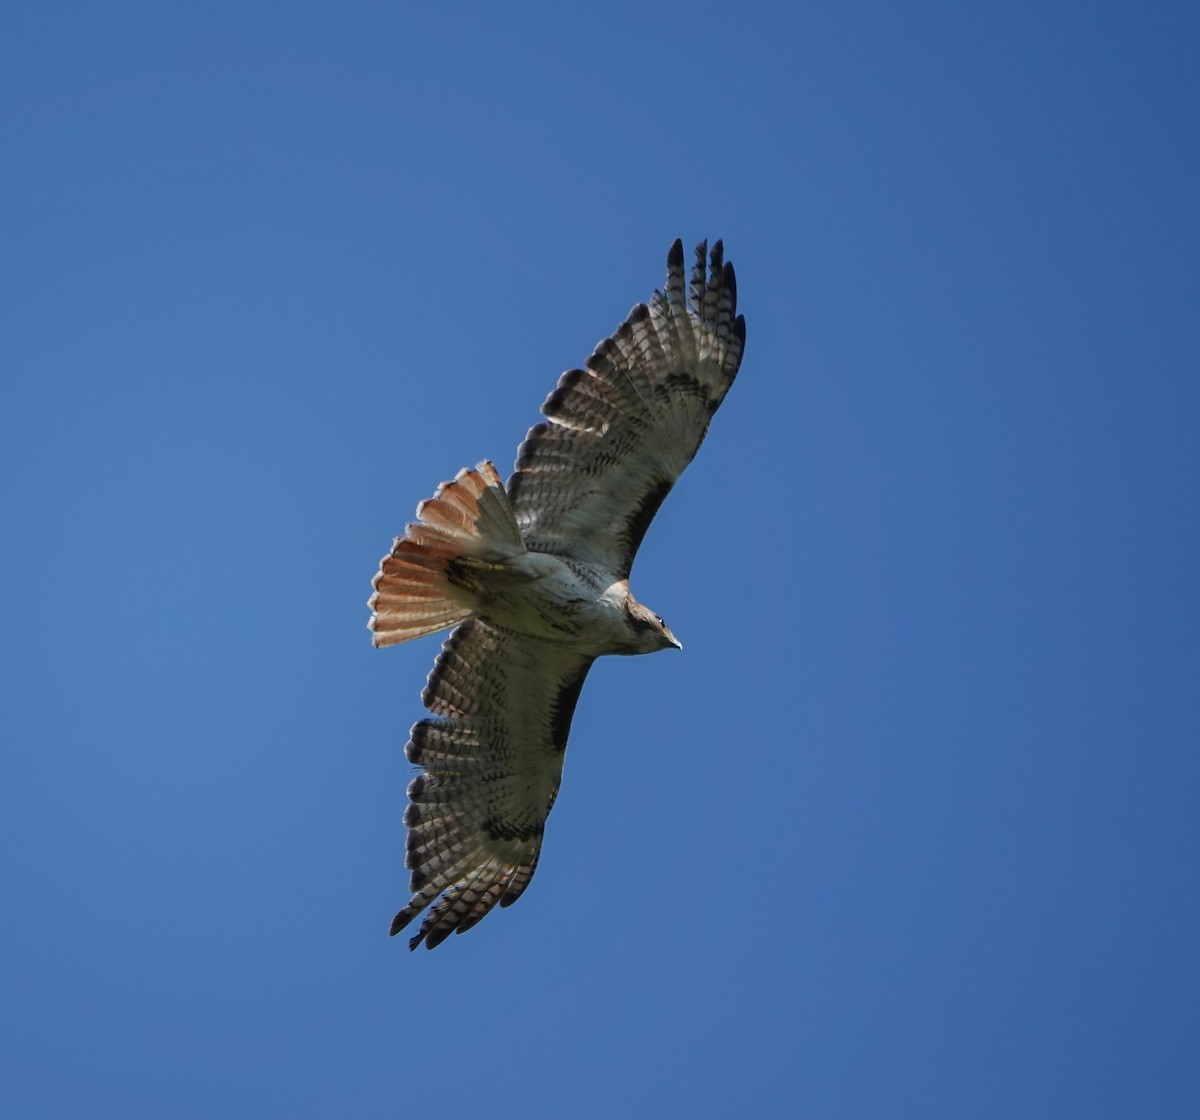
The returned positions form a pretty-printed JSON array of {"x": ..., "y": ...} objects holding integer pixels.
[{"x": 469, "y": 516}]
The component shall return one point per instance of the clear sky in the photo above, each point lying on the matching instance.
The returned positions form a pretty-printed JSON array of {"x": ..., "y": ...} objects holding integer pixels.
[{"x": 911, "y": 828}]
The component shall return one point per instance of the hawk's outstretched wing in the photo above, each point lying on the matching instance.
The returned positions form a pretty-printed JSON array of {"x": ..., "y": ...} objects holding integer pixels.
[
  {"x": 620, "y": 432},
  {"x": 492, "y": 756}
]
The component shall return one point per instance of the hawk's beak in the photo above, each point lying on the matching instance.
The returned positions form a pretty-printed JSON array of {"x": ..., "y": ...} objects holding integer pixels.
[{"x": 671, "y": 637}]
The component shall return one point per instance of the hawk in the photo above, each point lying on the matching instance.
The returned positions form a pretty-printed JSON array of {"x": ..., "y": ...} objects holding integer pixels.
[{"x": 534, "y": 576}]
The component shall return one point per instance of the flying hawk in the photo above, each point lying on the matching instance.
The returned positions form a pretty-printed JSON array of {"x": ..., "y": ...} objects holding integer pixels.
[{"x": 534, "y": 575}]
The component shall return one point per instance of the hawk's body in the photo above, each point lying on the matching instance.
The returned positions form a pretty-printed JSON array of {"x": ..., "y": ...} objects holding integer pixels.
[{"x": 535, "y": 578}]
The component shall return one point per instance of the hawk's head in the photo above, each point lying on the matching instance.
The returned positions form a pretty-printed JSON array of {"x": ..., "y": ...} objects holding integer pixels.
[{"x": 647, "y": 631}]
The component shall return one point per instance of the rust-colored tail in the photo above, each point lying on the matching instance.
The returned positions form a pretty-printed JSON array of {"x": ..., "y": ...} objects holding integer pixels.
[{"x": 467, "y": 517}]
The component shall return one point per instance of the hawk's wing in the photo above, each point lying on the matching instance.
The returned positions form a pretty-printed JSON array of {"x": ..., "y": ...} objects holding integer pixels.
[
  {"x": 492, "y": 757},
  {"x": 620, "y": 432}
]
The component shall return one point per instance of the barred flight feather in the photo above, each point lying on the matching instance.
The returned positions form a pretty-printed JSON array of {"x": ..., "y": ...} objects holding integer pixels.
[{"x": 492, "y": 762}]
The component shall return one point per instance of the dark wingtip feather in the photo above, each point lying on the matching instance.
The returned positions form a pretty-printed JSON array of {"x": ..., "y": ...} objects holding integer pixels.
[
  {"x": 399, "y": 922},
  {"x": 730, "y": 282},
  {"x": 433, "y": 938},
  {"x": 675, "y": 256},
  {"x": 697, "y": 284}
]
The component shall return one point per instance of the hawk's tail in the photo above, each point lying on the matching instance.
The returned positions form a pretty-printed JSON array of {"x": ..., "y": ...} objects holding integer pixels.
[{"x": 469, "y": 518}]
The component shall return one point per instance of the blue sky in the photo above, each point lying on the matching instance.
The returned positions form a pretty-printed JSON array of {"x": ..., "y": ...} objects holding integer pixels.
[{"x": 909, "y": 829}]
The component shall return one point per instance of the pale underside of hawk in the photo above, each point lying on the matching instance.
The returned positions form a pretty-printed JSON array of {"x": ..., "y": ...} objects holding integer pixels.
[{"x": 534, "y": 576}]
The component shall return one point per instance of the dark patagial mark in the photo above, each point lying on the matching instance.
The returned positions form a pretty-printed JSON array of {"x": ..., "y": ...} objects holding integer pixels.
[
  {"x": 639, "y": 521},
  {"x": 563, "y": 709}
]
